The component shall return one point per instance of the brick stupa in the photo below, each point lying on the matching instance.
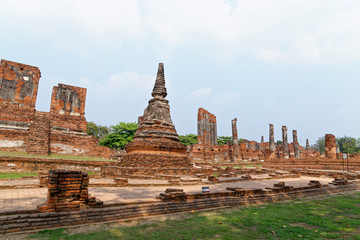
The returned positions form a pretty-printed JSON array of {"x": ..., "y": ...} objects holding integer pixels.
[{"x": 156, "y": 143}]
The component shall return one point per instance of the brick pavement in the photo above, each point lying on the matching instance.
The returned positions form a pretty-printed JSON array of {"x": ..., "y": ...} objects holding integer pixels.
[{"x": 29, "y": 199}]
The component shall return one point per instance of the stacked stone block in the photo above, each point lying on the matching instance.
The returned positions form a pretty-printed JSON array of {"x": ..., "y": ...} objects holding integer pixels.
[{"x": 68, "y": 191}]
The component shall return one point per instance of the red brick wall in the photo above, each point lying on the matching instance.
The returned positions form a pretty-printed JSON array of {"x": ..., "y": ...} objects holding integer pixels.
[
  {"x": 68, "y": 108},
  {"x": 63, "y": 130}
]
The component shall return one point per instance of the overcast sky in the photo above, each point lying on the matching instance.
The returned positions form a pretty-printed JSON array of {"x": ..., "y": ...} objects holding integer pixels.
[{"x": 293, "y": 63}]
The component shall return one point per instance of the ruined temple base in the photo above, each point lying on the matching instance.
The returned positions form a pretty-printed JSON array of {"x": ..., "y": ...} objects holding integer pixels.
[
  {"x": 352, "y": 164},
  {"x": 112, "y": 171},
  {"x": 157, "y": 160}
]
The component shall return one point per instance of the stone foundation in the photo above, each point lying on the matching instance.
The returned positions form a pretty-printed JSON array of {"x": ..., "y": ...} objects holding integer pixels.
[{"x": 68, "y": 191}]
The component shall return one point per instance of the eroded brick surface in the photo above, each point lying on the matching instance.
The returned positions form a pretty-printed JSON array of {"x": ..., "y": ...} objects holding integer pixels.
[
  {"x": 68, "y": 191},
  {"x": 22, "y": 128}
]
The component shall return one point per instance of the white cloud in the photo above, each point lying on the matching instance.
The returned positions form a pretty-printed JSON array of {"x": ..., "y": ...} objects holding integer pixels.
[
  {"x": 201, "y": 92},
  {"x": 123, "y": 83},
  {"x": 276, "y": 31},
  {"x": 206, "y": 95},
  {"x": 299, "y": 31},
  {"x": 81, "y": 26}
]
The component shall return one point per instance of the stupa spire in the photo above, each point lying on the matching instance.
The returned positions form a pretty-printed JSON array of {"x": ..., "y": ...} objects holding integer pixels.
[{"x": 159, "y": 87}]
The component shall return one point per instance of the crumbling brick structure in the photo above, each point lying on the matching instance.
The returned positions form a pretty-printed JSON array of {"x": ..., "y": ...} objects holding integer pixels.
[
  {"x": 330, "y": 146},
  {"x": 156, "y": 143},
  {"x": 18, "y": 91},
  {"x": 207, "y": 128},
  {"x": 207, "y": 149},
  {"x": 68, "y": 191},
  {"x": 22, "y": 128},
  {"x": 68, "y": 124}
]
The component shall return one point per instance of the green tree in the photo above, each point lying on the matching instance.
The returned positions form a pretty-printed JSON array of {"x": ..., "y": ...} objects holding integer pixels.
[
  {"x": 319, "y": 145},
  {"x": 97, "y": 130},
  {"x": 189, "y": 139},
  {"x": 120, "y": 134},
  {"x": 348, "y": 144},
  {"x": 222, "y": 140}
]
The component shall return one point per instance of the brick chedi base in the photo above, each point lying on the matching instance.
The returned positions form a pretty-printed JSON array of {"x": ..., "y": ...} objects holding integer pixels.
[
  {"x": 68, "y": 191},
  {"x": 156, "y": 143}
]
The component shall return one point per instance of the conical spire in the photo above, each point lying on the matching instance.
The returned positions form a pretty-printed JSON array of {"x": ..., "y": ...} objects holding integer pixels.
[{"x": 159, "y": 87}]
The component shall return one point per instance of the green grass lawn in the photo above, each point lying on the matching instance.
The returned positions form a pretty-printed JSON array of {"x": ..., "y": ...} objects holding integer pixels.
[
  {"x": 53, "y": 156},
  {"x": 336, "y": 217},
  {"x": 12, "y": 175}
]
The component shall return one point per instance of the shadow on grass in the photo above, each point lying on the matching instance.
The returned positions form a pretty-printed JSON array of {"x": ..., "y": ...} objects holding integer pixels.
[{"x": 333, "y": 218}]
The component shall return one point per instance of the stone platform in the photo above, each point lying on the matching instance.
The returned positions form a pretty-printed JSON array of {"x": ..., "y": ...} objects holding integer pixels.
[{"x": 12, "y": 200}]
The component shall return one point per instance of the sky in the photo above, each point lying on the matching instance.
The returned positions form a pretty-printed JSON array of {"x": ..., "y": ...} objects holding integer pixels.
[{"x": 293, "y": 63}]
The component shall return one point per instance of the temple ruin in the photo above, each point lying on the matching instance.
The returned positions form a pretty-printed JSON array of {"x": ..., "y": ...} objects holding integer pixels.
[
  {"x": 24, "y": 129},
  {"x": 156, "y": 145}
]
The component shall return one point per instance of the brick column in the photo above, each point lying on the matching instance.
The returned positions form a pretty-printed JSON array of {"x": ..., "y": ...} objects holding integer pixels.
[
  {"x": 285, "y": 142},
  {"x": 330, "y": 146},
  {"x": 296, "y": 144},
  {"x": 271, "y": 138},
  {"x": 307, "y": 144},
  {"x": 235, "y": 138}
]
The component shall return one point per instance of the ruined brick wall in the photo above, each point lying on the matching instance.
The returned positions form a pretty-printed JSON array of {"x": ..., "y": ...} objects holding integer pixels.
[
  {"x": 313, "y": 163},
  {"x": 20, "y": 164},
  {"x": 22, "y": 128},
  {"x": 207, "y": 128},
  {"x": 214, "y": 153},
  {"x": 68, "y": 124},
  {"x": 67, "y": 110},
  {"x": 18, "y": 91}
]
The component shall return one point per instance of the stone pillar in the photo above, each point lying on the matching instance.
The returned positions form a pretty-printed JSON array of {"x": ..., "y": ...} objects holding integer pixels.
[
  {"x": 337, "y": 149},
  {"x": 307, "y": 144},
  {"x": 330, "y": 146},
  {"x": 262, "y": 139},
  {"x": 235, "y": 138},
  {"x": 285, "y": 142},
  {"x": 271, "y": 138},
  {"x": 296, "y": 144}
]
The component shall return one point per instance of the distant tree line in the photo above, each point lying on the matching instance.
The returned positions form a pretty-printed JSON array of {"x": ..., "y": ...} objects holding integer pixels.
[
  {"x": 346, "y": 144},
  {"x": 117, "y": 136}
]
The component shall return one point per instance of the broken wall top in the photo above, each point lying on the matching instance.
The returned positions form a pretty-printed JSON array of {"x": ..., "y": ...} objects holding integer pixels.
[
  {"x": 204, "y": 114},
  {"x": 68, "y": 100},
  {"x": 67, "y": 108},
  {"x": 18, "y": 84}
]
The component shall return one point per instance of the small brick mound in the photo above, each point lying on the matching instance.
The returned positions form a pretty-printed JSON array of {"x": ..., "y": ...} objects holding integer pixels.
[
  {"x": 172, "y": 194},
  {"x": 68, "y": 191},
  {"x": 213, "y": 179},
  {"x": 340, "y": 181},
  {"x": 121, "y": 181}
]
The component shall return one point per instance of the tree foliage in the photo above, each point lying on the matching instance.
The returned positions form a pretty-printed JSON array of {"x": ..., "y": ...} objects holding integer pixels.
[
  {"x": 97, "y": 130},
  {"x": 222, "y": 140},
  {"x": 120, "y": 134},
  {"x": 189, "y": 139},
  {"x": 319, "y": 145},
  {"x": 348, "y": 144}
]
